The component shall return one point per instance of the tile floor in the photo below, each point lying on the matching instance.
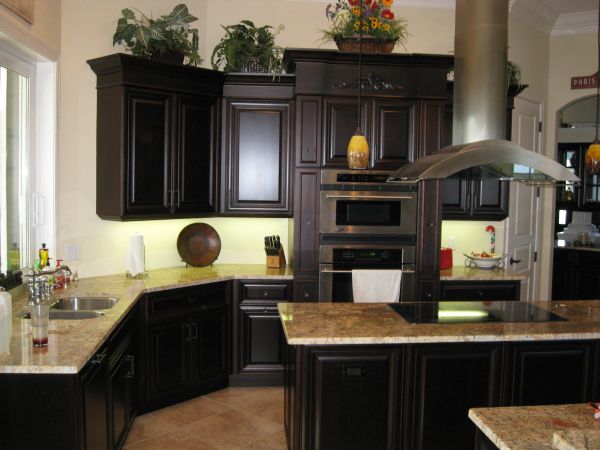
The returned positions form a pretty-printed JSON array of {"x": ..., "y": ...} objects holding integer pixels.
[{"x": 230, "y": 419}]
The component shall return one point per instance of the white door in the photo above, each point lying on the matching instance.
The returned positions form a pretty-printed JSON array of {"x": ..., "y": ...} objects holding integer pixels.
[{"x": 522, "y": 227}]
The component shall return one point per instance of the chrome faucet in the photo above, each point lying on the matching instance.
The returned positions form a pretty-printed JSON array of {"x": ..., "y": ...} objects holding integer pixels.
[{"x": 40, "y": 289}]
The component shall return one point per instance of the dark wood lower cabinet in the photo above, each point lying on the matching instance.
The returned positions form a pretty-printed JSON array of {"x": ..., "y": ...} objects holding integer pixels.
[
  {"x": 95, "y": 403},
  {"x": 480, "y": 290},
  {"x": 442, "y": 383},
  {"x": 417, "y": 396}
]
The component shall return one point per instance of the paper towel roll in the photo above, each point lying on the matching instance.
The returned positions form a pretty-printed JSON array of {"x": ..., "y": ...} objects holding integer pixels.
[
  {"x": 134, "y": 258},
  {"x": 5, "y": 321}
]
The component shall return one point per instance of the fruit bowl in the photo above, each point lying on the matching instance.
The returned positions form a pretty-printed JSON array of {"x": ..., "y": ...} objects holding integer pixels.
[{"x": 484, "y": 260}]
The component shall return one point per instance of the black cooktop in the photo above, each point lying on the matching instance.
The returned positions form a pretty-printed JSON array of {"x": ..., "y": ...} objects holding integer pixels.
[{"x": 474, "y": 312}]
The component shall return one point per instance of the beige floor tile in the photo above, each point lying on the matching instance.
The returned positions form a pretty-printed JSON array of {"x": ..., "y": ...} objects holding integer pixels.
[
  {"x": 190, "y": 411},
  {"x": 239, "y": 396},
  {"x": 274, "y": 441},
  {"x": 147, "y": 426},
  {"x": 269, "y": 406}
]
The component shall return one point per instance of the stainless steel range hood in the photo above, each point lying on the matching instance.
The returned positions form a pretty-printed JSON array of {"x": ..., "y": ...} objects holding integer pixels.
[{"x": 479, "y": 116}]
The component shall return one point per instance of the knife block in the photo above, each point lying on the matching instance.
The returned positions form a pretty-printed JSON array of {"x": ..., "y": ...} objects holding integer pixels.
[{"x": 276, "y": 261}]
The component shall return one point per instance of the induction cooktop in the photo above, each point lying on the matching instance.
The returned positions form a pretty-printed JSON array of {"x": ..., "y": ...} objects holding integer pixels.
[{"x": 474, "y": 312}]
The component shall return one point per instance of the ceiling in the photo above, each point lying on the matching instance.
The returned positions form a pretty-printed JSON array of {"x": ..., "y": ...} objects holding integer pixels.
[{"x": 555, "y": 17}]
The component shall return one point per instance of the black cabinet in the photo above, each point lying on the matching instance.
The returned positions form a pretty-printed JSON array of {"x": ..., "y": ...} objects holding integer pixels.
[
  {"x": 480, "y": 290},
  {"x": 352, "y": 398},
  {"x": 156, "y": 138},
  {"x": 95, "y": 399},
  {"x": 442, "y": 383},
  {"x": 187, "y": 338},
  {"x": 256, "y": 135},
  {"x": 585, "y": 197},
  {"x": 259, "y": 341},
  {"x": 575, "y": 274},
  {"x": 547, "y": 374},
  {"x": 122, "y": 391}
]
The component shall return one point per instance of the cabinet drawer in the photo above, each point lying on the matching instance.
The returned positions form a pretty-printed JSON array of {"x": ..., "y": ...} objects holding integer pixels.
[
  {"x": 199, "y": 298},
  {"x": 480, "y": 291},
  {"x": 265, "y": 291}
]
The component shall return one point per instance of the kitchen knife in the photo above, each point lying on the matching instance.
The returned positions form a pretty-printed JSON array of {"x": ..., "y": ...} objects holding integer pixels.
[{"x": 277, "y": 242}]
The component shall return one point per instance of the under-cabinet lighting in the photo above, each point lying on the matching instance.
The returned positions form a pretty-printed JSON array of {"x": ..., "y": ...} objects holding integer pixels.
[{"x": 461, "y": 314}]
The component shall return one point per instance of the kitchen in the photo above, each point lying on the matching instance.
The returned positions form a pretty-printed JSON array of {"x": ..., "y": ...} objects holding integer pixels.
[{"x": 77, "y": 220}]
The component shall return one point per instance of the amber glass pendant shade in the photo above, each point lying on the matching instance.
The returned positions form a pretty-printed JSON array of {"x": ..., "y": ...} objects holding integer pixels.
[
  {"x": 358, "y": 151},
  {"x": 592, "y": 158}
]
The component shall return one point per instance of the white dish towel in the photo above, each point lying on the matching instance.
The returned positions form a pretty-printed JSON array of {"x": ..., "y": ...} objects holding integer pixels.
[{"x": 376, "y": 285}]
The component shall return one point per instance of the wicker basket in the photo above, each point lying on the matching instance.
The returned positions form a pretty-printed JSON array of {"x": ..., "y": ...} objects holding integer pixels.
[{"x": 369, "y": 44}]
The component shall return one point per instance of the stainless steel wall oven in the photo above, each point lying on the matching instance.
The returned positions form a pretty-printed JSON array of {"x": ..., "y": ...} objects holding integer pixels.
[{"x": 365, "y": 223}]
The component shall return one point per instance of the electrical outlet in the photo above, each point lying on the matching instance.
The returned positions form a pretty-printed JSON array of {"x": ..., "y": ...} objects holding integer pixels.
[
  {"x": 73, "y": 252},
  {"x": 452, "y": 242}
]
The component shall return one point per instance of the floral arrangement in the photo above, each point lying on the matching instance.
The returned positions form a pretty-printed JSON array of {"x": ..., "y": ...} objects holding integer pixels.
[{"x": 374, "y": 18}]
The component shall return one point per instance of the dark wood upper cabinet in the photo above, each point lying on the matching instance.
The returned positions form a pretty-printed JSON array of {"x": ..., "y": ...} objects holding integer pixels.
[
  {"x": 256, "y": 144},
  {"x": 393, "y": 142},
  {"x": 156, "y": 138},
  {"x": 308, "y": 130}
]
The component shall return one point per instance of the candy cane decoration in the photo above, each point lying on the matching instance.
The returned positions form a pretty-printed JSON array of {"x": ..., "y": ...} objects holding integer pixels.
[{"x": 492, "y": 230}]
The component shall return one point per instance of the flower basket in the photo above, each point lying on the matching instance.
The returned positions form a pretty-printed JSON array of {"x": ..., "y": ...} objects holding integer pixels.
[{"x": 369, "y": 44}]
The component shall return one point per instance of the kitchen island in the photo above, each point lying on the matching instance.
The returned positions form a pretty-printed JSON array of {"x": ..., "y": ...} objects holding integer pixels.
[
  {"x": 361, "y": 376},
  {"x": 546, "y": 427}
]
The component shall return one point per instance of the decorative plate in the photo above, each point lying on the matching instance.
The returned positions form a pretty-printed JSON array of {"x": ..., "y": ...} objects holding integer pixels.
[{"x": 198, "y": 244}]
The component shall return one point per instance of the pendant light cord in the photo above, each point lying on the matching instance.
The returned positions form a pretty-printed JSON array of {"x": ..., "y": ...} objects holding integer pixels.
[{"x": 360, "y": 46}]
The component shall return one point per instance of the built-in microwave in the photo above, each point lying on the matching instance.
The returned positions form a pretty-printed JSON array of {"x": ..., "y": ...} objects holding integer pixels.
[{"x": 356, "y": 202}]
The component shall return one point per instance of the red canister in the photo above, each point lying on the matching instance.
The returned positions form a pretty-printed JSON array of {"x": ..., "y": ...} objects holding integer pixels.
[{"x": 445, "y": 258}]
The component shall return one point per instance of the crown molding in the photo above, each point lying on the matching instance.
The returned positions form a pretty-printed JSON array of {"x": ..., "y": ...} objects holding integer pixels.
[
  {"x": 535, "y": 13},
  {"x": 576, "y": 23}
]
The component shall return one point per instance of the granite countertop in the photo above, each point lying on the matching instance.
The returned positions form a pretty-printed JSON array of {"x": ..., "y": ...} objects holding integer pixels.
[
  {"x": 462, "y": 273},
  {"x": 592, "y": 248},
  {"x": 377, "y": 323},
  {"x": 562, "y": 427},
  {"x": 71, "y": 343}
]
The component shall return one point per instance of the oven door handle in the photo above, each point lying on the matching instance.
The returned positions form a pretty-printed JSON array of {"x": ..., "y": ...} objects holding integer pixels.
[
  {"x": 370, "y": 197},
  {"x": 350, "y": 271}
]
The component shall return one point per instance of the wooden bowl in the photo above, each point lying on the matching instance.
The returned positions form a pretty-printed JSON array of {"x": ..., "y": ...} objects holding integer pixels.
[{"x": 198, "y": 244}]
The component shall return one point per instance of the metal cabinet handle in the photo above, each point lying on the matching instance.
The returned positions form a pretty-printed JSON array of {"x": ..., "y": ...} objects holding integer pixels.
[
  {"x": 131, "y": 360},
  {"x": 514, "y": 261},
  {"x": 371, "y": 197},
  {"x": 306, "y": 294},
  {"x": 188, "y": 334},
  {"x": 479, "y": 293},
  {"x": 99, "y": 358},
  {"x": 265, "y": 293}
]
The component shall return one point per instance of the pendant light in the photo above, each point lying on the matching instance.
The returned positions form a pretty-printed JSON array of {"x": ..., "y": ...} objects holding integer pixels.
[
  {"x": 358, "y": 147},
  {"x": 592, "y": 155}
]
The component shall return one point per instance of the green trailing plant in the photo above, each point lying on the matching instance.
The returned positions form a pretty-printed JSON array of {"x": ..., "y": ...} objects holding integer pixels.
[
  {"x": 248, "y": 48},
  {"x": 513, "y": 73},
  {"x": 158, "y": 38}
]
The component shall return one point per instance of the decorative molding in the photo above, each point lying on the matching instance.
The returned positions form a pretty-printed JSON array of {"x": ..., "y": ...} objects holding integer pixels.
[
  {"x": 22, "y": 8},
  {"x": 576, "y": 23},
  {"x": 371, "y": 82},
  {"x": 535, "y": 13}
]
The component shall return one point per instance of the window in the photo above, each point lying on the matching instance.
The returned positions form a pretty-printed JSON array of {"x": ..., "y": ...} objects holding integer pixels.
[{"x": 27, "y": 170}]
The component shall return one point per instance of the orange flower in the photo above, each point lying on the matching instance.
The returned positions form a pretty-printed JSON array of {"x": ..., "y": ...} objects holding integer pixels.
[
  {"x": 356, "y": 11},
  {"x": 387, "y": 14},
  {"x": 387, "y": 3}
]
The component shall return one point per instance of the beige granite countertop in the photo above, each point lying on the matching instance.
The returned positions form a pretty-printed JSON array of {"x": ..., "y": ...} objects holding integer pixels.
[
  {"x": 71, "y": 343},
  {"x": 562, "y": 427},
  {"x": 463, "y": 273},
  {"x": 377, "y": 323}
]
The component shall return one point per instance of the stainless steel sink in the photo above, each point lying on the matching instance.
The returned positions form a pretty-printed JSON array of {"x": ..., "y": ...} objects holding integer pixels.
[
  {"x": 84, "y": 303},
  {"x": 69, "y": 315}
]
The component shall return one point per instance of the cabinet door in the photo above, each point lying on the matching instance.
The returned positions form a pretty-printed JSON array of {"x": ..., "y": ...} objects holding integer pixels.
[
  {"x": 148, "y": 153},
  {"x": 563, "y": 274},
  {"x": 95, "y": 403},
  {"x": 456, "y": 200},
  {"x": 431, "y": 126},
  {"x": 195, "y": 185},
  {"x": 490, "y": 198},
  {"x": 353, "y": 399},
  {"x": 261, "y": 339},
  {"x": 210, "y": 345},
  {"x": 306, "y": 289},
  {"x": 339, "y": 125},
  {"x": 167, "y": 356},
  {"x": 501, "y": 290},
  {"x": 547, "y": 373},
  {"x": 257, "y": 158},
  {"x": 308, "y": 130},
  {"x": 393, "y": 141},
  {"x": 586, "y": 275},
  {"x": 122, "y": 390},
  {"x": 443, "y": 383},
  {"x": 306, "y": 222}
]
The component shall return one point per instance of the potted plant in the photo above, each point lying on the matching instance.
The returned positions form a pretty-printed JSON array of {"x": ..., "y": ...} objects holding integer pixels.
[
  {"x": 247, "y": 48},
  {"x": 167, "y": 38},
  {"x": 381, "y": 29}
]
